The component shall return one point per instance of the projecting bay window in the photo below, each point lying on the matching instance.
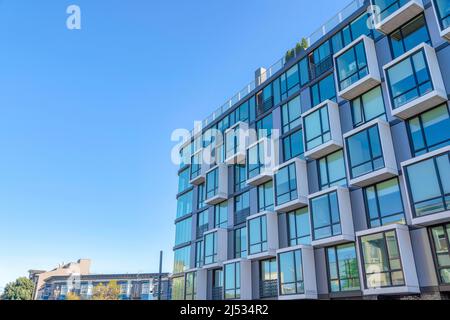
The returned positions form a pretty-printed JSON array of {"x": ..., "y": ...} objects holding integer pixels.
[
  {"x": 260, "y": 162},
  {"x": 391, "y": 14},
  {"x": 237, "y": 140},
  {"x": 427, "y": 179},
  {"x": 241, "y": 207},
  {"x": 343, "y": 274},
  {"x": 322, "y": 130},
  {"x": 356, "y": 68},
  {"x": 217, "y": 185},
  {"x": 409, "y": 36},
  {"x": 262, "y": 235},
  {"x": 291, "y": 186},
  {"x": 415, "y": 82},
  {"x": 215, "y": 248},
  {"x": 440, "y": 236},
  {"x": 331, "y": 217},
  {"x": 370, "y": 154},
  {"x": 197, "y": 170},
  {"x": 442, "y": 11}
]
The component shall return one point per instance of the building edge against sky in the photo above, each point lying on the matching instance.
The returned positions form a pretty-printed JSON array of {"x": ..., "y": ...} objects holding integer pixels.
[{"x": 359, "y": 203}]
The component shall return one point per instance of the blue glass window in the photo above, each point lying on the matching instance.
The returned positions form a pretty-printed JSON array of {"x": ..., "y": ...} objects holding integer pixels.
[
  {"x": 264, "y": 127},
  {"x": 256, "y": 159},
  {"x": 265, "y": 197},
  {"x": 242, "y": 207},
  {"x": 210, "y": 249},
  {"x": 201, "y": 196},
  {"x": 291, "y": 115},
  {"x": 343, "y": 271},
  {"x": 182, "y": 259},
  {"x": 286, "y": 184},
  {"x": 441, "y": 247},
  {"x": 221, "y": 215},
  {"x": 240, "y": 243},
  {"x": 321, "y": 60},
  {"x": 293, "y": 146},
  {"x": 332, "y": 170},
  {"x": 299, "y": 227},
  {"x": 352, "y": 66},
  {"x": 409, "y": 36},
  {"x": 212, "y": 183},
  {"x": 232, "y": 274},
  {"x": 202, "y": 223},
  {"x": 257, "y": 230},
  {"x": 367, "y": 107},
  {"x": 323, "y": 90},
  {"x": 291, "y": 273},
  {"x": 409, "y": 79},
  {"x": 388, "y": 7},
  {"x": 365, "y": 152},
  {"x": 183, "y": 233},
  {"x": 430, "y": 130},
  {"x": 183, "y": 181},
  {"x": 184, "y": 204},
  {"x": 443, "y": 13},
  {"x": 317, "y": 128},
  {"x": 325, "y": 215},
  {"x": 240, "y": 177}
]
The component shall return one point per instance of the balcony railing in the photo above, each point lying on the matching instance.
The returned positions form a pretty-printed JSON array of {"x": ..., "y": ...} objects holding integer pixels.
[
  {"x": 316, "y": 70},
  {"x": 268, "y": 289},
  {"x": 277, "y": 66},
  {"x": 217, "y": 293},
  {"x": 201, "y": 230},
  {"x": 241, "y": 216}
]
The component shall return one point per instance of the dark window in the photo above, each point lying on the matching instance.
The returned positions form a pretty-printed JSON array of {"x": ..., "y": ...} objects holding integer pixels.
[
  {"x": 241, "y": 207},
  {"x": 210, "y": 250},
  {"x": 212, "y": 183},
  {"x": 264, "y": 100},
  {"x": 268, "y": 278},
  {"x": 199, "y": 254},
  {"x": 217, "y": 289},
  {"x": 321, "y": 60},
  {"x": 202, "y": 223}
]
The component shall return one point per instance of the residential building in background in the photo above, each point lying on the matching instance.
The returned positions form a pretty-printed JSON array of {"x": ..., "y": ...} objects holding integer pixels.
[
  {"x": 355, "y": 202},
  {"x": 76, "y": 278}
]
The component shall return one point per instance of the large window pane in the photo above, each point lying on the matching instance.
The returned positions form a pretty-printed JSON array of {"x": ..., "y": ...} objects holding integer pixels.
[
  {"x": 325, "y": 216},
  {"x": 183, "y": 231},
  {"x": 265, "y": 197},
  {"x": 352, "y": 66},
  {"x": 367, "y": 107},
  {"x": 440, "y": 238},
  {"x": 299, "y": 228},
  {"x": 182, "y": 259},
  {"x": 184, "y": 205},
  {"x": 291, "y": 115},
  {"x": 343, "y": 268},
  {"x": 332, "y": 170},
  {"x": 409, "y": 36},
  {"x": 443, "y": 12},
  {"x": 286, "y": 184},
  {"x": 293, "y": 146},
  {"x": 257, "y": 229},
  {"x": 291, "y": 273}
]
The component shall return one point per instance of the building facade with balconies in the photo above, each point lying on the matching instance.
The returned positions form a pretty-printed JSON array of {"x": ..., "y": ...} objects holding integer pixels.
[{"x": 341, "y": 190}]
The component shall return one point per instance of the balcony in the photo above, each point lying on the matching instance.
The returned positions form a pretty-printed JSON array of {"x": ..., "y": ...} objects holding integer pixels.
[
  {"x": 331, "y": 217},
  {"x": 442, "y": 16},
  {"x": 390, "y": 15},
  {"x": 245, "y": 277},
  {"x": 370, "y": 154},
  {"x": 268, "y": 289},
  {"x": 217, "y": 185},
  {"x": 198, "y": 169},
  {"x": 215, "y": 246},
  {"x": 217, "y": 293},
  {"x": 322, "y": 130},
  {"x": 415, "y": 82},
  {"x": 356, "y": 68},
  {"x": 387, "y": 261},
  {"x": 291, "y": 186},
  {"x": 261, "y": 158},
  {"x": 426, "y": 178},
  {"x": 306, "y": 285},
  {"x": 262, "y": 235},
  {"x": 237, "y": 140}
]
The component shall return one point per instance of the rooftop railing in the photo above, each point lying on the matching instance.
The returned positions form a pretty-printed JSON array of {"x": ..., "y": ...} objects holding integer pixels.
[{"x": 277, "y": 66}]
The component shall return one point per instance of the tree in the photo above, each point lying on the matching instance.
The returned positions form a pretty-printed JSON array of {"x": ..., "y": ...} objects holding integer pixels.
[
  {"x": 72, "y": 296},
  {"x": 108, "y": 292},
  {"x": 304, "y": 43},
  {"x": 21, "y": 289}
]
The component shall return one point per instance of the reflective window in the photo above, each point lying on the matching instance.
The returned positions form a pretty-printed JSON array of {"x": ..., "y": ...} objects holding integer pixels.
[
  {"x": 352, "y": 66},
  {"x": 332, "y": 170},
  {"x": 182, "y": 259},
  {"x": 202, "y": 223},
  {"x": 351, "y": 32},
  {"x": 240, "y": 243},
  {"x": 221, "y": 215},
  {"x": 184, "y": 204},
  {"x": 429, "y": 186},
  {"x": 299, "y": 228},
  {"x": 304, "y": 71},
  {"x": 241, "y": 207},
  {"x": 291, "y": 273},
  {"x": 286, "y": 184},
  {"x": 367, "y": 107},
  {"x": 365, "y": 152},
  {"x": 264, "y": 100},
  {"x": 326, "y": 220},
  {"x": 217, "y": 285},
  {"x": 293, "y": 146},
  {"x": 240, "y": 177},
  {"x": 291, "y": 115},
  {"x": 317, "y": 128},
  {"x": 382, "y": 264},
  {"x": 430, "y": 130},
  {"x": 232, "y": 274},
  {"x": 212, "y": 183},
  {"x": 384, "y": 204},
  {"x": 199, "y": 254},
  {"x": 443, "y": 13},
  {"x": 256, "y": 160},
  {"x": 232, "y": 141},
  {"x": 185, "y": 155},
  {"x": 257, "y": 230},
  {"x": 441, "y": 247},
  {"x": 178, "y": 288},
  {"x": 409, "y": 36},
  {"x": 343, "y": 274},
  {"x": 191, "y": 286},
  {"x": 210, "y": 248},
  {"x": 183, "y": 181},
  {"x": 183, "y": 231},
  {"x": 409, "y": 79},
  {"x": 265, "y": 197},
  {"x": 323, "y": 90},
  {"x": 264, "y": 127},
  {"x": 268, "y": 278},
  {"x": 287, "y": 84},
  {"x": 201, "y": 196},
  {"x": 388, "y": 7}
]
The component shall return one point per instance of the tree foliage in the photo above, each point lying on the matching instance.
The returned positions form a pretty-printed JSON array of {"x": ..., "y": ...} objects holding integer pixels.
[
  {"x": 72, "y": 296},
  {"x": 21, "y": 289},
  {"x": 108, "y": 292}
]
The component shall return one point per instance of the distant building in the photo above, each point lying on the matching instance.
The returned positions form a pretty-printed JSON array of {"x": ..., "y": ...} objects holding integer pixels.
[{"x": 76, "y": 278}]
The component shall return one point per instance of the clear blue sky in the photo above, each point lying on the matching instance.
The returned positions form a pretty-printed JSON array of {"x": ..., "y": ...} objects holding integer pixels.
[{"x": 86, "y": 116}]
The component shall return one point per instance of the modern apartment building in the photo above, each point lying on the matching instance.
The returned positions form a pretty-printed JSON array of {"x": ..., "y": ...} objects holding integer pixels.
[{"x": 355, "y": 200}]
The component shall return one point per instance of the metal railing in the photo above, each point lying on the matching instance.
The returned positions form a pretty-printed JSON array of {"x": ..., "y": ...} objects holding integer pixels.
[
  {"x": 268, "y": 289},
  {"x": 217, "y": 293},
  {"x": 277, "y": 66}
]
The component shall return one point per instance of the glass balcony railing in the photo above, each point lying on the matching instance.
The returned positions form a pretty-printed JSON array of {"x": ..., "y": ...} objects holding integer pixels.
[{"x": 277, "y": 66}]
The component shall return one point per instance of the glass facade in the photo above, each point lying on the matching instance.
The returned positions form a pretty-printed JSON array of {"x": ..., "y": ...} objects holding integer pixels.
[
  {"x": 286, "y": 184},
  {"x": 299, "y": 228},
  {"x": 232, "y": 281},
  {"x": 382, "y": 263},
  {"x": 430, "y": 130},
  {"x": 257, "y": 231},
  {"x": 182, "y": 259},
  {"x": 388, "y": 7},
  {"x": 184, "y": 205},
  {"x": 352, "y": 66},
  {"x": 183, "y": 180},
  {"x": 332, "y": 170},
  {"x": 384, "y": 204},
  {"x": 429, "y": 186},
  {"x": 343, "y": 274},
  {"x": 291, "y": 273},
  {"x": 409, "y": 79},
  {"x": 317, "y": 128},
  {"x": 326, "y": 220},
  {"x": 365, "y": 152},
  {"x": 183, "y": 231}
]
